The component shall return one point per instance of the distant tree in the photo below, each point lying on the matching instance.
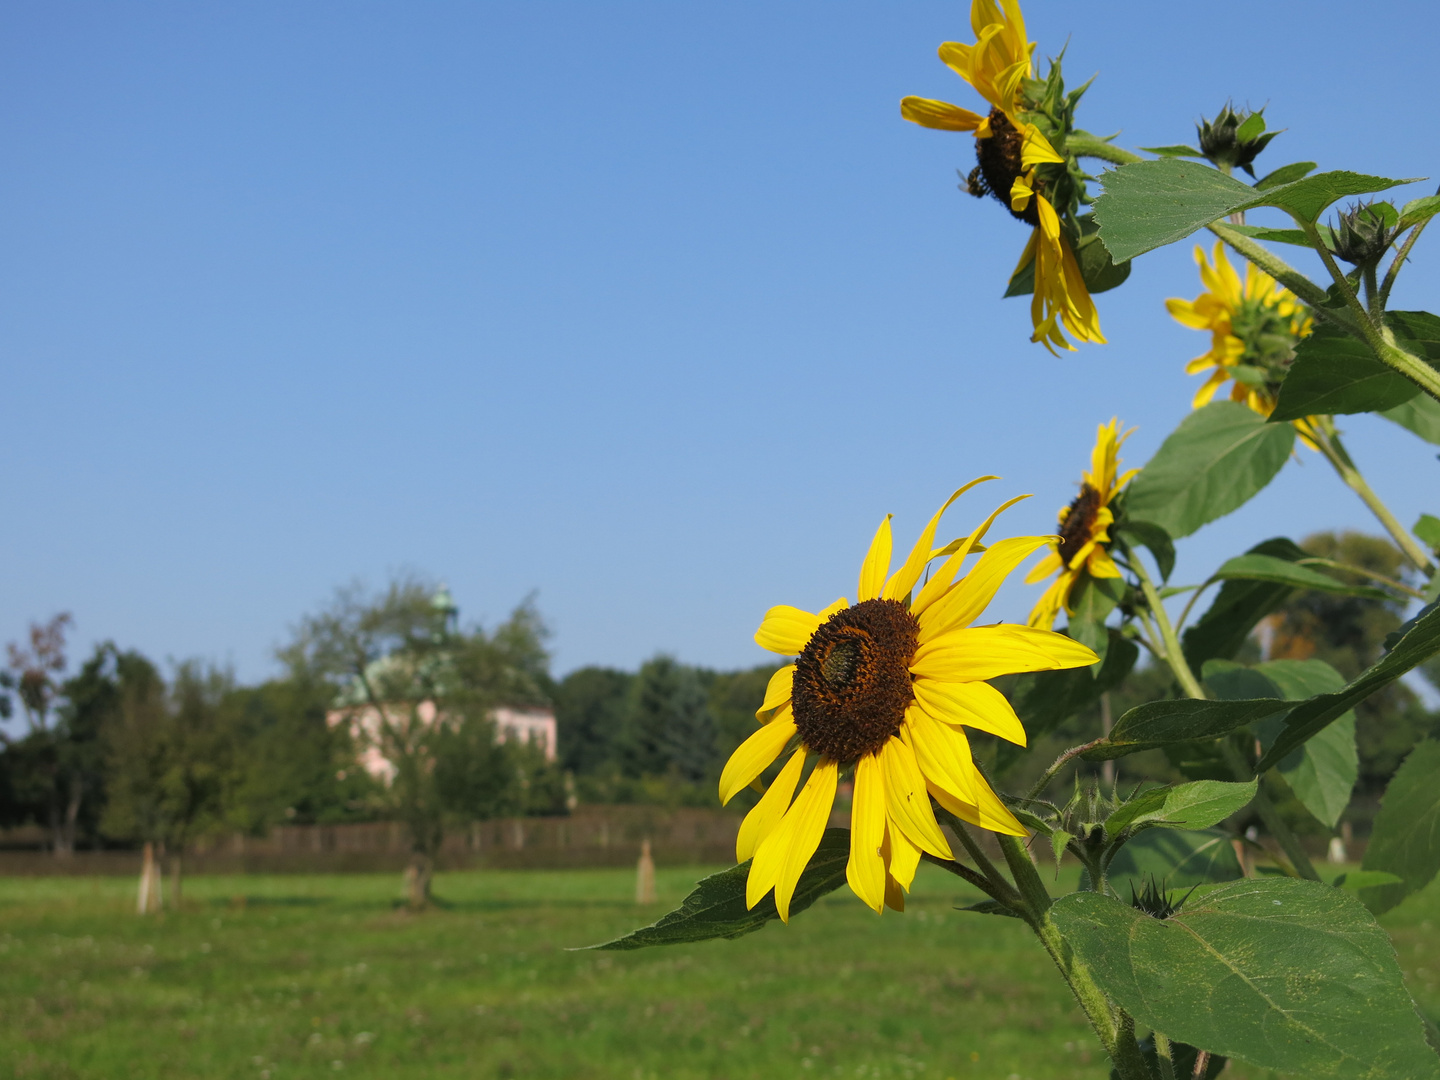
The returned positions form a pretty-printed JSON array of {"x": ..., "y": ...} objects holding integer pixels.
[
  {"x": 422, "y": 691},
  {"x": 669, "y": 729},
  {"x": 1348, "y": 633},
  {"x": 591, "y": 705},
  {"x": 171, "y": 756}
]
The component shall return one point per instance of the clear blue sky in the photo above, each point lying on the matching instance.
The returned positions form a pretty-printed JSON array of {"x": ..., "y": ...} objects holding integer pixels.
[{"x": 653, "y": 308}]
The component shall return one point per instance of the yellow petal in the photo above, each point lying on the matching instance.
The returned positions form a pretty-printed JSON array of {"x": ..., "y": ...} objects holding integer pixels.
[
  {"x": 1047, "y": 608},
  {"x": 902, "y": 857},
  {"x": 802, "y": 828},
  {"x": 940, "y": 115},
  {"x": 777, "y": 691},
  {"x": 876, "y": 567},
  {"x": 894, "y": 894},
  {"x": 904, "y": 579},
  {"x": 975, "y": 653},
  {"x": 988, "y": 812},
  {"x": 940, "y": 580},
  {"x": 755, "y": 754},
  {"x": 866, "y": 870},
  {"x": 1036, "y": 149},
  {"x": 1100, "y": 564},
  {"x": 963, "y": 603},
  {"x": 766, "y": 814},
  {"x": 1044, "y": 568},
  {"x": 906, "y": 802},
  {"x": 973, "y": 704},
  {"x": 786, "y": 629},
  {"x": 942, "y": 752}
]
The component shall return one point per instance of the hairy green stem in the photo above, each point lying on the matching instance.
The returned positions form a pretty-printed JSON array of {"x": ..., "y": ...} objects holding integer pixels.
[
  {"x": 1376, "y": 336},
  {"x": 1174, "y": 655},
  {"x": 1027, "y": 878},
  {"x": 1373, "y": 305},
  {"x": 996, "y": 885},
  {"x": 1060, "y": 762},
  {"x": 1398, "y": 260},
  {"x": 1090, "y": 146},
  {"x": 1277, "y": 268},
  {"x": 1335, "y": 453},
  {"x": 1274, "y": 823},
  {"x": 1114, "y": 1028},
  {"x": 1164, "y": 1056}
]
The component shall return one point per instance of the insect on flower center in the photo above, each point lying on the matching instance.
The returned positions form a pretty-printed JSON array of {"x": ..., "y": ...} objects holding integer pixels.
[
  {"x": 1079, "y": 524},
  {"x": 852, "y": 679},
  {"x": 1001, "y": 164}
]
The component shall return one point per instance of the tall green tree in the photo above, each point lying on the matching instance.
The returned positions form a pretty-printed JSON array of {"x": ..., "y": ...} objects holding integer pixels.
[{"x": 413, "y": 686}]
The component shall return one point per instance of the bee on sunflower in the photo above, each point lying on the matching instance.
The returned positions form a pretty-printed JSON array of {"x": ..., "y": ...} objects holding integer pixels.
[
  {"x": 1083, "y": 546},
  {"x": 883, "y": 689},
  {"x": 1254, "y": 327},
  {"x": 1019, "y": 165}
]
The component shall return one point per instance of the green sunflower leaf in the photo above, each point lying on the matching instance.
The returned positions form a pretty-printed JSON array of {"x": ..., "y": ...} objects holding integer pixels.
[
  {"x": 1196, "y": 805},
  {"x": 1180, "y": 720},
  {"x": 1286, "y": 572},
  {"x": 1356, "y": 880},
  {"x": 1418, "y": 210},
  {"x": 1213, "y": 463},
  {"x": 716, "y": 907},
  {"x": 1419, "y": 641},
  {"x": 1420, "y": 415},
  {"x": 1274, "y": 236},
  {"x": 1335, "y": 373},
  {"x": 1418, "y": 331},
  {"x": 1322, "y": 773},
  {"x": 1236, "y": 609},
  {"x": 1309, "y": 198},
  {"x": 1427, "y": 528},
  {"x": 1149, "y": 535},
  {"x": 1284, "y": 175},
  {"x": 1177, "y": 857},
  {"x": 1406, "y": 838},
  {"x": 1283, "y": 974},
  {"x": 1178, "y": 150},
  {"x": 1153, "y": 203}
]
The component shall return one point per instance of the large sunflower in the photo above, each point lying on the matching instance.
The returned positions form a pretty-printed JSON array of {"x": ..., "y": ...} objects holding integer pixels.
[
  {"x": 1083, "y": 544},
  {"x": 884, "y": 689},
  {"x": 1254, "y": 327},
  {"x": 1009, "y": 148}
]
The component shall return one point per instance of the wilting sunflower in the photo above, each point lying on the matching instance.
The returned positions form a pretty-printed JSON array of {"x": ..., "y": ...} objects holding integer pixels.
[
  {"x": 883, "y": 689},
  {"x": 1254, "y": 328},
  {"x": 1083, "y": 544},
  {"x": 1008, "y": 149}
]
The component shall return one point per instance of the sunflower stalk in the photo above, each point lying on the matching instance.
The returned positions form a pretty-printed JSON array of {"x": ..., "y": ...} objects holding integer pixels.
[
  {"x": 1333, "y": 449},
  {"x": 1083, "y": 144},
  {"x": 1375, "y": 334},
  {"x": 1172, "y": 654}
]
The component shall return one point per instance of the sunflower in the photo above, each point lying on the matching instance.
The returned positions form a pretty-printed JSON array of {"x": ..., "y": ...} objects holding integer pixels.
[
  {"x": 1009, "y": 148},
  {"x": 883, "y": 689},
  {"x": 1254, "y": 328},
  {"x": 1082, "y": 546}
]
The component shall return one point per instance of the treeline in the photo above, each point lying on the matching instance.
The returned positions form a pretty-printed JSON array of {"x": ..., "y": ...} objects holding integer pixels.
[{"x": 119, "y": 752}]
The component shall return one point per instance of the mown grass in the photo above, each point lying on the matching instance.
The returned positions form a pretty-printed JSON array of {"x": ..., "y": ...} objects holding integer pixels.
[{"x": 272, "y": 977}]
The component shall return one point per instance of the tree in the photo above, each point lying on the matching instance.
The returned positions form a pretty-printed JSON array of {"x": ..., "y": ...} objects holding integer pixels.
[
  {"x": 669, "y": 729},
  {"x": 420, "y": 691},
  {"x": 170, "y": 757}
]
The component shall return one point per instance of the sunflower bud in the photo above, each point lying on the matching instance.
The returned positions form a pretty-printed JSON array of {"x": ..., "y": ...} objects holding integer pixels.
[
  {"x": 1365, "y": 232},
  {"x": 1233, "y": 140}
]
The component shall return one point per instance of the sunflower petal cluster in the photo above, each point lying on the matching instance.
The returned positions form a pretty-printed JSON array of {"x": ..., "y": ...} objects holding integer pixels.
[
  {"x": 1014, "y": 155},
  {"x": 1254, "y": 327},
  {"x": 1083, "y": 546},
  {"x": 882, "y": 691}
]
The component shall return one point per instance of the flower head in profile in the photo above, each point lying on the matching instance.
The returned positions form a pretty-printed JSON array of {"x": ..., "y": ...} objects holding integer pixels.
[
  {"x": 1254, "y": 327},
  {"x": 1016, "y": 165},
  {"x": 883, "y": 689},
  {"x": 1083, "y": 546}
]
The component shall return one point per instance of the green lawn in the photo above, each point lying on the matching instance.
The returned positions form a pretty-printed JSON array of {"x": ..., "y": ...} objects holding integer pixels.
[{"x": 274, "y": 977}]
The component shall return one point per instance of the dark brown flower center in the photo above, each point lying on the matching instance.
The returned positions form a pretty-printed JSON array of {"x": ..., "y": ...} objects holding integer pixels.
[
  {"x": 1001, "y": 165},
  {"x": 1079, "y": 523},
  {"x": 852, "y": 679}
]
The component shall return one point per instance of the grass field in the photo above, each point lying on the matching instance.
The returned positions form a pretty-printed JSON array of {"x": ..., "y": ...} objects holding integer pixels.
[{"x": 268, "y": 978}]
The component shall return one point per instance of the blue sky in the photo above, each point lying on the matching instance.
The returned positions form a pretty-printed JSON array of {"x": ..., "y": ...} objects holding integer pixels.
[{"x": 654, "y": 308}]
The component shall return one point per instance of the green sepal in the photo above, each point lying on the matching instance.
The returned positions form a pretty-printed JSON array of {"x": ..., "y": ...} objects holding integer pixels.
[
  {"x": 716, "y": 906},
  {"x": 1283, "y": 974}
]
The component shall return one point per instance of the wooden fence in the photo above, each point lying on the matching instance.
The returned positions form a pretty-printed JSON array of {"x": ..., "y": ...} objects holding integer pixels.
[{"x": 591, "y": 836}]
